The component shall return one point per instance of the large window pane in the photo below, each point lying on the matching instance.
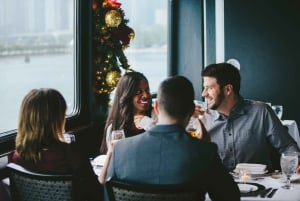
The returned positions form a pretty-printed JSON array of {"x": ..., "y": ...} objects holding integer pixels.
[
  {"x": 36, "y": 50},
  {"x": 147, "y": 52}
]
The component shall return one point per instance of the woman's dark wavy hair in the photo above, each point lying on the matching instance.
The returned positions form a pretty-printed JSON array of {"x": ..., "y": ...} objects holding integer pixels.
[{"x": 121, "y": 112}]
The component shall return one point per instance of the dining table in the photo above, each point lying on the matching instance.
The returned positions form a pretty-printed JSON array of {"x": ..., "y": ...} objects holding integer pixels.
[
  {"x": 272, "y": 182},
  {"x": 293, "y": 130}
]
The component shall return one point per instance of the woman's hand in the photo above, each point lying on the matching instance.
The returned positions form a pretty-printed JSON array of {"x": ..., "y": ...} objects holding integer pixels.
[{"x": 102, "y": 177}]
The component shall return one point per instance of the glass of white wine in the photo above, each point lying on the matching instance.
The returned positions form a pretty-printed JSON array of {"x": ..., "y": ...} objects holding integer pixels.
[
  {"x": 194, "y": 127},
  {"x": 117, "y": 135},
  {"x": 288, "y": 163}
]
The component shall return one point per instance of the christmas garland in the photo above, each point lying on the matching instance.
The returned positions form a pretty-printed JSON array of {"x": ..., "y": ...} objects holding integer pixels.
[{"x": 111, "y": 37}]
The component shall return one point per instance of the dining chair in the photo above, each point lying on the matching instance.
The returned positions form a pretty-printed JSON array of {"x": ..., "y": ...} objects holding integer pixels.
[
  {"x": 125, "y": 191},
  {"x": 26, "y": 185}
]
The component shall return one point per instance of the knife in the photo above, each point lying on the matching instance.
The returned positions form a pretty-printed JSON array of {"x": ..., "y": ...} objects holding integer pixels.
[
  {"x": 272, "y": 193},
  {"x": 265, "y": 192}
]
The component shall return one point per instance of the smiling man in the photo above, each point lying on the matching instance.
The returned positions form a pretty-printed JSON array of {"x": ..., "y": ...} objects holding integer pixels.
[{"x": 246, "y": 131}]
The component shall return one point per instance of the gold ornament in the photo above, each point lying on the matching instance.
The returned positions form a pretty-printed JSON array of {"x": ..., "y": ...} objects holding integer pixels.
[
  {"x": 104, "y": 30},
  {"x": 112, "y": 78},
  {"x": 131, "y": 35},
  {"x": 113, "y": 18}
]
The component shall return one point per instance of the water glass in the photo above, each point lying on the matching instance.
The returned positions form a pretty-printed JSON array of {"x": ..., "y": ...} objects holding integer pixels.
[
  {"x": 203, "y": 106},
  {"x": 69, "y": 138},
  {"x": 278, "y": 109},
  {"x": 288, "y": 163}
]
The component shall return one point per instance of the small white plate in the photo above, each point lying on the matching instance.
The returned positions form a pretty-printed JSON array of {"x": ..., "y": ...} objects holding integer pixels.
[
  {"x": 246, "y": 188},
  {"x": 99, "y": 160},
  {"x": 98, "y": 163}
]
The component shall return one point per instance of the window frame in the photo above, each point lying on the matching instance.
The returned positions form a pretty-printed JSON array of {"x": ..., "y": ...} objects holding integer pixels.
[{"x": 81, "y": 115}]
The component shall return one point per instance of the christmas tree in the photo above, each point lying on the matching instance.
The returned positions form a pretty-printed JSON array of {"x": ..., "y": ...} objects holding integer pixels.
[{"x": 111, "y": 37}]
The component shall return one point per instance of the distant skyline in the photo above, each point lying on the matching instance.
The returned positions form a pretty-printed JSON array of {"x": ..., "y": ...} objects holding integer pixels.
[
  {"x": 145, "y": 12},
  {"x": 41, "y": 16},
  {"x": 35, "y": 16}
]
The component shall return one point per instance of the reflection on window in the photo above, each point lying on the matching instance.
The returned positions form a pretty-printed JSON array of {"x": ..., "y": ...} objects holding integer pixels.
[
  {"x": 147, "y": 52},
  {"x": 36, "y": 50}
]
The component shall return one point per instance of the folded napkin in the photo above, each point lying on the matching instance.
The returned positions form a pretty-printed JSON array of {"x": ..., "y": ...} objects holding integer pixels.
[{"x": 252, "y": 168}]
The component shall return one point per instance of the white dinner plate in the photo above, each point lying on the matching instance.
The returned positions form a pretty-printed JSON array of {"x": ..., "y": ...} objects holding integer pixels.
[
  {"x": 246, "y": 188},
  {"x": 99, "y": 160},
  {"x": 98, "y": 163}
]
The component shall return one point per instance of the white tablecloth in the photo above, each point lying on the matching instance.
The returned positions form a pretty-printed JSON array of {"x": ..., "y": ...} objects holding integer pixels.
[{"x": 293, "y": 130}]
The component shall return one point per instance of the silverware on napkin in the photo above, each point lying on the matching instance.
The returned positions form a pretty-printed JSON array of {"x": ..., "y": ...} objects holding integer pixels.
[
  {"x": 272, "y": 193},
  {"x": 265, "y": 192}
]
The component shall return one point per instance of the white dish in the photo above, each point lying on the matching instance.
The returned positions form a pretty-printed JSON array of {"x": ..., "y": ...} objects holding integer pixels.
[
  {"x": 98, "y": 163},
  {"x": 99, "y": 160},
  {"x": 252, "y": 173},
  {"x": 252, "y": 168},
  {"x": 246, "y": 188}
]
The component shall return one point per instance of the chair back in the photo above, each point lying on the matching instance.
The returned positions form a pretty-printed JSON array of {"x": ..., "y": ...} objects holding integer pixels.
[
  {"x": 26, "y": 185},
  {"x": 123, "y": 191}
]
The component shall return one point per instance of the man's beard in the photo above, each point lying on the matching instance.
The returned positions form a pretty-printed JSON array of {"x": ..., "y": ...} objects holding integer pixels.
[{"x": 218, "y": 101}]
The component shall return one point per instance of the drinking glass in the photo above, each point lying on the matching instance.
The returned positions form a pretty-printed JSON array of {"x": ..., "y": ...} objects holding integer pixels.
[
  {"x": 194, "y": 127},
  {"x": 278, "y": 109},
  {"x": 69, "y": 138},
  {"x": 288, "y": 163},
  {"x": 203, "y": 107},
  {"x": 117, "y": 135}
]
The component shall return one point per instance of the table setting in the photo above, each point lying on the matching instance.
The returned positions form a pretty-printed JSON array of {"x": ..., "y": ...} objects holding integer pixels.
[{"x": 256, "y": 183}]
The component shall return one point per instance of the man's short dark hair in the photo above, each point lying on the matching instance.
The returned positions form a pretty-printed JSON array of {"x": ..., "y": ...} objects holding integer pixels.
[
  {"x": 176, "y": 96},
  {"x": 224, "y": 73}
]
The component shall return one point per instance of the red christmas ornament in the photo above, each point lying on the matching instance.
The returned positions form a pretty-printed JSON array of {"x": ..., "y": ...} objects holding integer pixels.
[
  {"x": 114, "y": 3},
  {"x": 94, "y": 5}
]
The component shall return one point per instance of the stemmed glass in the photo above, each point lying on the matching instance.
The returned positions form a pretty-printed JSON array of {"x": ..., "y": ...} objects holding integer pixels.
[
  {"x": 288, "y": 163},
  {"x": 278, "y": 109},
  {"x": 194, "y": 128},
  {"x": 117, "y": 135}
]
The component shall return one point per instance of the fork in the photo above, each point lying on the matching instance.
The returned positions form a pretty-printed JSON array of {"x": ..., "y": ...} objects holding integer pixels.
[
  {"x": 272, "y": 193},
  {"x": 265, "y": 192}
]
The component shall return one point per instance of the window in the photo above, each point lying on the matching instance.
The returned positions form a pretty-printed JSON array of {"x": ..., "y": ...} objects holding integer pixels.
[
  {"x": 147, "y": 52},
  {"x": 36, "y": 50}
]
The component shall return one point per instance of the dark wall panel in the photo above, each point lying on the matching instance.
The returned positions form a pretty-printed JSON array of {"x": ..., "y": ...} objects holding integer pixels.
[
  {"x": 189, "y": 48},
  {"x": 264, "y": 37}
]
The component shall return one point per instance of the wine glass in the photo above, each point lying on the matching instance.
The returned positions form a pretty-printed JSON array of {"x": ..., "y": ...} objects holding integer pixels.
[
  {"x": 202, "y": 105},
  {"x": 194, "y": 127},
  {"x": 288, "y": 163},
  {"x": 117, "y": 135},
  {"x": 278, "y": 109}
]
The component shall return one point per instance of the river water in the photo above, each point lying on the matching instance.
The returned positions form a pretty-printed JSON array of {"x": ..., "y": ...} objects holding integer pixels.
[{"x": 18, "y": 76}]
